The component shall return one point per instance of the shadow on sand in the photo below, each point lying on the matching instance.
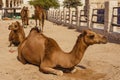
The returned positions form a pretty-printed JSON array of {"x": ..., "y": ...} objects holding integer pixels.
[{"x": 83, "y": 73}]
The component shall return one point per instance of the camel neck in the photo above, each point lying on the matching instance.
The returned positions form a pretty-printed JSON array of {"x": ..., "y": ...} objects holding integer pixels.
[{"x": 78, "y": 50}]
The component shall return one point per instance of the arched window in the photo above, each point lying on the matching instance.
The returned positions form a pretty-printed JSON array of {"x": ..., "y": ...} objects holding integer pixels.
[
  {"x": 10, "y": 3},
  {"x": 7, "y": 3}
]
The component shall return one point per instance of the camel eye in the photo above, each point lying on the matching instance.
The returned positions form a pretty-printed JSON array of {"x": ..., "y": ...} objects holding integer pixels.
[
  {"x": 91, "y": 36},
  {"x": 15, "y": 26}
]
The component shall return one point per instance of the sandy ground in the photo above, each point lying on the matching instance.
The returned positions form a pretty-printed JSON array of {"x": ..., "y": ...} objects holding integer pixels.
[{"x": 100, "y": 62}]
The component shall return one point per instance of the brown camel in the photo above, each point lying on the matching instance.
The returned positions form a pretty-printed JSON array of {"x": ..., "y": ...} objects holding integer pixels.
[
  {"x": 24, "y": 16},
  {"x": 40, "y": 15},
  {"x": 17, "y": 34},
  {"x": 44, "y": 52}
]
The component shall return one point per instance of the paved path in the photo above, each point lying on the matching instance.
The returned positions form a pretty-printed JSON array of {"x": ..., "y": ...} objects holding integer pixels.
[{"x": 100, "y": 62}]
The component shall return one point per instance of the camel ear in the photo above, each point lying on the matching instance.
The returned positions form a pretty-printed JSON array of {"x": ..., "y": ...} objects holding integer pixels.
[
  {"x": 84, "y": 32},
  {"x": 18, "y": 23}
]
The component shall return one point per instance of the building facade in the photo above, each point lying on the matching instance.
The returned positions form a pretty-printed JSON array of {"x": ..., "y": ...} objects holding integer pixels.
[
  {"x": 97, "y": 3},
  {"x": 12, "y": 3}
]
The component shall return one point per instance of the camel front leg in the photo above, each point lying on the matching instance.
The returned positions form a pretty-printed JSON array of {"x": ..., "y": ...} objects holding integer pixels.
[
  {"x": 40, "y": 25},
  {"x": 20, "y": 57},
  {"x": 36, "y": 22},
  {"x": 24, "y": 23},
  {"x": 27, "y": 21},
  {"x": 10, "y": 44},
  {"x": 47, "y": 67},
  {"x": 73, "y": 70},
  {"x": 51, "y": 70}
]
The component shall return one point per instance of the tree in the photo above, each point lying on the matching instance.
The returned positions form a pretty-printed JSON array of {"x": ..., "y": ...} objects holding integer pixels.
[
  {"x": 46, "y": 4},
  {"x": 72, "y": 3}
]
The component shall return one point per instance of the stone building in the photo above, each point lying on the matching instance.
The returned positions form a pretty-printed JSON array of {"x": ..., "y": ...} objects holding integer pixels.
[
  {"x": 11, "y": 8},
  {"x": 12, "y": 3},
  {"x": 98, "y": 3}
]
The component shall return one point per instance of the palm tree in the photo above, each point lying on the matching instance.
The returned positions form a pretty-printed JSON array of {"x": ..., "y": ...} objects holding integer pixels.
[
  {"x": 72, "y": 4},
  {"x": 46, "y": 4}
]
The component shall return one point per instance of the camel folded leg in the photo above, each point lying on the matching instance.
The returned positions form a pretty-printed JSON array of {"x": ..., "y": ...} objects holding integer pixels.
[
  {"x": 10, "y": 44},
  {"x": 74, "y": 70},
  {"x": 47, "y": 67},
  {"x": 51, "y": 70},
  {"x": 21, "y": 59}
]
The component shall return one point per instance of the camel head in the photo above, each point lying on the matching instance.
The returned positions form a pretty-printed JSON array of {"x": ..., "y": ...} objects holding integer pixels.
[
  {"x": 90, "y": 37},
  {"x": 14, "y": 26},
  {"x": 26, "y": 8}
]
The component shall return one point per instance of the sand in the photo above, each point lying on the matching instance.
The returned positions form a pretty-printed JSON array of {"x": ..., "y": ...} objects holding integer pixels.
[{"x": 100, "y": 62}]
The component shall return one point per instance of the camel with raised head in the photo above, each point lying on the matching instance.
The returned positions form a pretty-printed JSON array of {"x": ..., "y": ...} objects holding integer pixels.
[
  {"x": 44, "y": 52},
  {"x": 17, "y": 34},
  {"x": 39, "y": 15},
  {"x": 25, "y": 16}
]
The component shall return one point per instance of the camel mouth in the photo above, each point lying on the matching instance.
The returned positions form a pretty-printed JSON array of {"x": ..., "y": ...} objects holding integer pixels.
[
  {"x": 105, "y": 40},
  {"x": 9, "y": 28}
]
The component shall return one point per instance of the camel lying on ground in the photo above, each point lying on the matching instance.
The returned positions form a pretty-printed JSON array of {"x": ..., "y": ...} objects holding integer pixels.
[
  {"x": 44, "y": 52},
  {"x": 17, "y": 34}
]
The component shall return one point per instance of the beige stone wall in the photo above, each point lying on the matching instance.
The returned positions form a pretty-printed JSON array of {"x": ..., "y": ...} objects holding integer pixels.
[
  {"x": 118, "y": 2},
  {"x": 97, "y": 3},
  {"x": 112, "y": 32}
]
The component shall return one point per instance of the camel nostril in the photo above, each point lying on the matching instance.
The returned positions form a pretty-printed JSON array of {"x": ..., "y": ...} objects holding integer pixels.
[{"x": 104, "y": 39}]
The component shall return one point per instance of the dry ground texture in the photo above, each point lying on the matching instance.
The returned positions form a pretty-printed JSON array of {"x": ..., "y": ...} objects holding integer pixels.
[{"x": 100, "y": 62}]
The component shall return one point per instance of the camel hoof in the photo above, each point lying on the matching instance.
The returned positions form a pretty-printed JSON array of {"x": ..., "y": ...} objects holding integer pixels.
[
  {"x": 25, "y": 26},
  {"x": 59, "y": 73},
  {"x": 74, "y": 70}
]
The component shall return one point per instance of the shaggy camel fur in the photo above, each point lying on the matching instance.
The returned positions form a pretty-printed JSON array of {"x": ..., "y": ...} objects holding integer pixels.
[
  {"x": 24, "y": 16},
  {"x": 17, "y": 34},
  {"x": 40, "y": 15},
  {"x": 43, "y": 51}
]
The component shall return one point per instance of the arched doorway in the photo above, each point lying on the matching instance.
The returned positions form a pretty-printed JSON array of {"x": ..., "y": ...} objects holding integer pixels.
[{"x": 13, "y": 3}]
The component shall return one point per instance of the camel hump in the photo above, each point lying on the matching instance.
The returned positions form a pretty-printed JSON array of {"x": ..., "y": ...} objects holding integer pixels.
[{"x": 35, "y": 29}]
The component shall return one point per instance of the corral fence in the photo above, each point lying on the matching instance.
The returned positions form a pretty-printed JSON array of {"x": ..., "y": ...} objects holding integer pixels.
[{"x": 102, "y": 20}]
